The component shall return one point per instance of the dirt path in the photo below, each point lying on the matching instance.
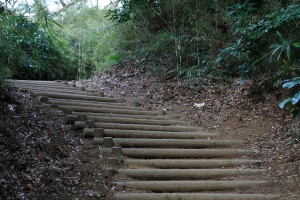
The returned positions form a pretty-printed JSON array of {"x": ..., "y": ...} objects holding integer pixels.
[{"x": 153, "y": 154}]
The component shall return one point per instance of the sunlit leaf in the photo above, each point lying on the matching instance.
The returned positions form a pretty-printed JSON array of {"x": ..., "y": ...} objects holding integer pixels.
[
  {"x": 289, "y": 84},
  {"x": 285, "y": 102},
  {"x": 296, "y": 98}
]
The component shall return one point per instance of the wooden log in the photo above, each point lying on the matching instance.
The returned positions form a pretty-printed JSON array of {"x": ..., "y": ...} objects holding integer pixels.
[
  {"x": 183, "y": 153},
  {"x": 145, "y": 127},
  {"x": 108, "y": 110},
  {"x": 82, "y": 117},
  {"x": 79, "y": 125},
  {"x": 134, "y": 121},
  {"x": 176, "y": 143},
  {"x": 82, "y": 88},
  {"x": 44, "y": 99},
  {"x": 93, "y": 104},
  {"x": 78, "y": 97},
  {"x": 116, "y": 151},
  {"x": 108, "y": 142},
  {"x": 193, "y": 196},
  {"x": 147, "y": 108},
  {"x": 98, "y": 133},
  {"x": 65, "y": 91},
  {"x": 100, "y": 94},
  {"x": 188, "y": 186},
  {"x": 181, "y": 174},
  {"x": 90, "y": 123},
  {"x": 190, "y": 163},
  {"x": 55, "y": 106},
  {"x": 90, "y": 114},
  {"x": 97, "y": 141},
  {"x": 151, "y": 134},
  {"x": 71, "y": 119}
]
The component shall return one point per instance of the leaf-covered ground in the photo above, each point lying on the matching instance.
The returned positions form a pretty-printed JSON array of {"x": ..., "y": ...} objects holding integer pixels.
[
  {"x": 44, "y": 158},
  {"x": 41, "y": 157}
]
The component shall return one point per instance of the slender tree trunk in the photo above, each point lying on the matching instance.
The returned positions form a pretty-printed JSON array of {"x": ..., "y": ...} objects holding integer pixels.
[{"x": 63, "y": 3}]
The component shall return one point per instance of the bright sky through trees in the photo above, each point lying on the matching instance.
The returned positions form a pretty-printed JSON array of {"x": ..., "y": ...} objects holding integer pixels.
[{"x": 54, "y": 5}]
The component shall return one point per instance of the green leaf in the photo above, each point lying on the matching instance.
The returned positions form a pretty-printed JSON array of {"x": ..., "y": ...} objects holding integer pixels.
[
  {"x": 285, "y": 102},
  {"x": 282, "y": 40},
  {"x": 289, "y": 84},
  {"x": 277, "y": 47},
  {"x": 296, "y": 79},
  {"x": 288, "y": 52},
  {"x": 296, "y": 98},
  {"x": 219, "y": 59},
  {"x": 296, "y": 44}
]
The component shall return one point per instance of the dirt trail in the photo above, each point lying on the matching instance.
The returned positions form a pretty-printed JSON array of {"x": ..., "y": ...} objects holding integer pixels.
[{"x": 153, "y": 154}]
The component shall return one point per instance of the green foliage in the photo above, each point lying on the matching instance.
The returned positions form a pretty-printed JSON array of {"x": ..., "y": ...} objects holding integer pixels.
[
  {"x": 4, "y": 74},
  {"x": 131, "y": 8},
  {"x": 292, "y": 103},
  {"x": 255, "y": 39},
  {"x": 241, "y": 14},
  {"x": 28, "y": 50},
  {"x": 263, "y": 47},
  {"x": 267, "y": 49},
  {"x": 284, "y": 45},
  {"x": 90, "y": 39},
  {"x": 173, "y": 35}
]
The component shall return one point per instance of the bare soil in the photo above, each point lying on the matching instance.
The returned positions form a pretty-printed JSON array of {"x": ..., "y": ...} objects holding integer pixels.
[{"x": 44, "y": 158}]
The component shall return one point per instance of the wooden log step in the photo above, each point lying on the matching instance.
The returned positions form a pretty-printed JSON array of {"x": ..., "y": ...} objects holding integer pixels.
[
  {"x": 78, "y": 97},
  {"x": 189, "y": 163},
  {"x": 46, "y": 86},
  {"x": 188, "y": 186},
  {"x": 108, "y": 110},
  {"x": 64, "y": 91},
  {"x": 94, "y": 105},
  {"x": 43, "y": 83},
  {"x": 156, "y": 117},
  {"x": 66, "y": 87},
  {"x": 182, "y": 174},
  {"x": 145, "y": 127},
  {"x": 35, "y": 82},
  {"x": 176, "y": 143},
  {"x": 92, "y": 102},
  {"x": 183, "y": 153},
  {"x": 193, "y": 196},
  {"x": 135, "y": 121},
  {"x": 73, "y": 118},
  {"x": 118, "y": 133},
  {"x": 56, "y": 87}
]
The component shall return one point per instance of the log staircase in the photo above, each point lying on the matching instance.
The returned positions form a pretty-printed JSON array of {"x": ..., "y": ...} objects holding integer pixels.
[{"x": 156, "y": 156}]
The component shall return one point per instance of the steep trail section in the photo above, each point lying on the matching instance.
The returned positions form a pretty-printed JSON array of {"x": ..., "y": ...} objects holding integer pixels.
[{"x": 154, "y": 155}]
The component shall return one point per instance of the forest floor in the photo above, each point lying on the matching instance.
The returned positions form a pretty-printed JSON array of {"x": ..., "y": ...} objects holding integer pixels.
[{"x": 44, "y": 158}]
